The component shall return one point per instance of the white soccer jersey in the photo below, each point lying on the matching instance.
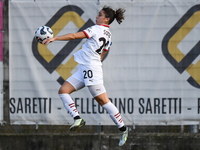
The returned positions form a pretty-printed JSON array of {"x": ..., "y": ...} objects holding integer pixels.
[{"x": 99, "y": 39}]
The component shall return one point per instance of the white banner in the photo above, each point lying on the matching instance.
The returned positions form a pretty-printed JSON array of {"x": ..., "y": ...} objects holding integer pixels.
[{"x": 151, "y": 72}]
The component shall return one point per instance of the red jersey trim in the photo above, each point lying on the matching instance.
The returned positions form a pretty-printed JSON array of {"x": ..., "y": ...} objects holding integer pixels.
[
  {"x": 105, "y": 25},
  {"x": 105, "y": 49},
  {"x": 86, "y": 34}
]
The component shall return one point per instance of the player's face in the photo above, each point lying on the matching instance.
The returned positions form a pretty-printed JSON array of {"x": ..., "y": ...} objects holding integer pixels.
[{"x": 101, "y": 19}]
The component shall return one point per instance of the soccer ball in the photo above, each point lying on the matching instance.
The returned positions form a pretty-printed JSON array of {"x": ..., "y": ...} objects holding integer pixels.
[{"x": 43, "y": 33}]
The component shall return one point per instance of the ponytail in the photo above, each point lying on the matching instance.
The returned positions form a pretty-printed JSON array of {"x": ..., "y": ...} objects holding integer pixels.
[
  {"x": 119, "y": 15},
  {"x": 110, "y": 13}
]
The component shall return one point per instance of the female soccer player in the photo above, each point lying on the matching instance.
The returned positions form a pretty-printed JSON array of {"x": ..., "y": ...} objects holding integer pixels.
[{"x": 90, "y": 72}]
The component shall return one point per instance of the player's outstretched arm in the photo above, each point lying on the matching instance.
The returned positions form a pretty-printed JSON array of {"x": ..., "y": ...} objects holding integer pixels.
[{"x": 66, "y": 37}]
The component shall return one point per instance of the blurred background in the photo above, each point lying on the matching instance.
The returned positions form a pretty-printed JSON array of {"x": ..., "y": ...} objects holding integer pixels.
[{"x": 151, "y": 75}]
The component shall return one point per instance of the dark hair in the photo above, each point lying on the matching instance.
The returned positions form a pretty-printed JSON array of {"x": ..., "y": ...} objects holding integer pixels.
[{"x": 110, "y": 13}]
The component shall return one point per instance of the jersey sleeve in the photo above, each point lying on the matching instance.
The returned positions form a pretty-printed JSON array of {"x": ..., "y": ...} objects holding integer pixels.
[{"x": 89, "y": 32}]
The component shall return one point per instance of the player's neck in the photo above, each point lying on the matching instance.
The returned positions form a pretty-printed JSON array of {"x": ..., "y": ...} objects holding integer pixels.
[{"x": 105, "y": 25}]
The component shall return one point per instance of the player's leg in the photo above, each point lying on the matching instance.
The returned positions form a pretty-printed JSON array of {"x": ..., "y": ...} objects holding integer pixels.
[
  {"x": 103, "y": 100},
  {"x": 100, "y": 95},
  {"x": 64, "y": 92},
  {"x": 72, "y": 84}
]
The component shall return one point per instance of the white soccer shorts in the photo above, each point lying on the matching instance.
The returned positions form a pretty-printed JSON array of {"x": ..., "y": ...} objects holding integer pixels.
[{"x": 91, "y": 76}]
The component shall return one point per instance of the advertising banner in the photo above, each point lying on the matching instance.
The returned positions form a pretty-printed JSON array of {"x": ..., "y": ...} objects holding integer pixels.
[{"x": 151, "y": 72}]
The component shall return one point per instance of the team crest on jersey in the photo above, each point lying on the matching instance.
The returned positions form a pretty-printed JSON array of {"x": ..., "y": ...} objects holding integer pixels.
[{"x": 89, "y": 30}]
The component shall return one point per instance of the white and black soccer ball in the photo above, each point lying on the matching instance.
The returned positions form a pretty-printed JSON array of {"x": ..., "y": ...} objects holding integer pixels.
[{"x": 43, "y": 33}]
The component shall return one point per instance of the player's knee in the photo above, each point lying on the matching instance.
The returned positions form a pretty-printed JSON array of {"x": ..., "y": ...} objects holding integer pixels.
[
  {"x": 101, "y": 101},
  {"x": 60, "y": 91},
  {"x": 63, "y": 90},
  {"x": 66, "y": 89}
]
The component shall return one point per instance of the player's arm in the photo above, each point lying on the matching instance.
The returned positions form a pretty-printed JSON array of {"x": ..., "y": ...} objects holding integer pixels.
[
  {"x": 66, "y": 37},
  {"x": 103, "y": 54},
  {"x": 106, "y": 49}
]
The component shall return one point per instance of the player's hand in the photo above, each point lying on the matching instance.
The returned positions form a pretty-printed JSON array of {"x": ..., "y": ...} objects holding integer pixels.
[{"x": 47, "y": 41}]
